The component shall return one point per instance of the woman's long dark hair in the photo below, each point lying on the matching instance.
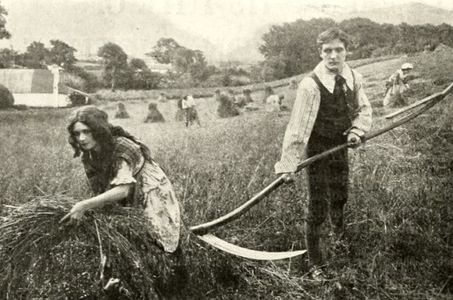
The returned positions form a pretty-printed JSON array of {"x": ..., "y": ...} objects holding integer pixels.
[{"x": 103, "y": 132}]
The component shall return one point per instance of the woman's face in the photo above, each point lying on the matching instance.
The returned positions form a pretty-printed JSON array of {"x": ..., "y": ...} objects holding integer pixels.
[{"x": 84, "y": 136}]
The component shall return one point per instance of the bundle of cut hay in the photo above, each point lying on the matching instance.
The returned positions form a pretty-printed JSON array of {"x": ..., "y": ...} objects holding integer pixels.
[
  {"x": 6, "y": 98},
  {"x": 154, "y": 114},
  {"x": 180, "y": 115},
  {"x": 109, "y": 255},
  {"x": 121, "y": 113},
  {"x": 226, "y": 107}
]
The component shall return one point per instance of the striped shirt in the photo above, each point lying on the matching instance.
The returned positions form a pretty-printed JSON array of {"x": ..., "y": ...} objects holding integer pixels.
[{"x": 306, "y": 108}]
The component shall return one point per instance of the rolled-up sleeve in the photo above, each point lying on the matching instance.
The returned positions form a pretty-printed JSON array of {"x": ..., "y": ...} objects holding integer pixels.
[
  {"x": 361, "y": 124},
  {"x": 123, "y": 174},
  {"x": 300, "y": 125}
]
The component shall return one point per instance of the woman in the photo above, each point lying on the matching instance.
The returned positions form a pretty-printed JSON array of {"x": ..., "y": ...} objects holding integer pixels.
[{"x": 121, "y": 170}]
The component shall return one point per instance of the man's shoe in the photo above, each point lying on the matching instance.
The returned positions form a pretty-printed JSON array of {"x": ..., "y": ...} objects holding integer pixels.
[{"x": 317, "y": 275}]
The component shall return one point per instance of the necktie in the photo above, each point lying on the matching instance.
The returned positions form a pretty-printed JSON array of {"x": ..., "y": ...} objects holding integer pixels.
[{"x": 338, "y": 90}]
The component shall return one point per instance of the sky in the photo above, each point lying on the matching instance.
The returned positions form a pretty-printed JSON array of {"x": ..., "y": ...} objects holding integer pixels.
[{"x": 224, "y": 23}]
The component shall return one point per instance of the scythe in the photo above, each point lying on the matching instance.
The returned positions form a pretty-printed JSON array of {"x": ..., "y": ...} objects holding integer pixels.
[{"x": 201, "y": 231}]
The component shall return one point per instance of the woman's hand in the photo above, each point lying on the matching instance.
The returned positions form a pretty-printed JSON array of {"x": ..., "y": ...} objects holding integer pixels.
[{"x": 76, "y": 213}]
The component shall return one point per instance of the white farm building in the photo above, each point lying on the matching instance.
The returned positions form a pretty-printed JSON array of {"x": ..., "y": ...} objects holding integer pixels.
[{"x": 35, "y": 87}]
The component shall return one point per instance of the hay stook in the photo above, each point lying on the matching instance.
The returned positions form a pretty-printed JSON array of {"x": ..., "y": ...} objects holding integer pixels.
[{"x": 108, "y": 255}]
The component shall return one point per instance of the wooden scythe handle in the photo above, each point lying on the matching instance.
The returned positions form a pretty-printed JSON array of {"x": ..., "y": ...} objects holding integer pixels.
[
  {"x": 236, "y": 213},
  {"x": 420, "y": 102}
]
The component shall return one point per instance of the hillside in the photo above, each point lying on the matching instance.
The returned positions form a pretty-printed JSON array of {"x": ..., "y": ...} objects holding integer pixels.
[
  {"x": 412, "y": 13},
  {"x": 399, "y": 213},
  {"x": 87, "y": 25}
]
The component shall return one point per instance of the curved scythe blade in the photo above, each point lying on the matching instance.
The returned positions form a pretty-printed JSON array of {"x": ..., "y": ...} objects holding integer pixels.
[{"x": 247, "y": 253}]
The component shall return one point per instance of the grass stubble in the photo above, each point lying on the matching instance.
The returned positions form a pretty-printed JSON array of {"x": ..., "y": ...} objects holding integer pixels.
[{"x": 399, "y": 215}]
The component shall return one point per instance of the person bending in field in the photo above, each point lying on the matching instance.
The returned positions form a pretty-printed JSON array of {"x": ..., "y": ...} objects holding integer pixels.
[
  {"x": 121, "y": 171},
  {"x": 396, "y": 87},
  {"x": 330, "y": 109}
]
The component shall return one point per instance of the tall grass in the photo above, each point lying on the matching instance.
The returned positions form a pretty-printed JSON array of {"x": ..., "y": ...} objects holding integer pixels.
[{"x": 399, "y": 215}]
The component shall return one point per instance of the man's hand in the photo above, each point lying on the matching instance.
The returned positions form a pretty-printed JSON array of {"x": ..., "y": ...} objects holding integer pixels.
[
  {"x": 353, "y": 140},
  {"x": 289, "y": 177},
  {"x": 76, "y": 213}
]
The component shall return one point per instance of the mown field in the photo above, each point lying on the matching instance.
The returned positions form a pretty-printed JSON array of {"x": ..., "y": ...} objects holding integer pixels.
[{"x": 399, "y": 215}]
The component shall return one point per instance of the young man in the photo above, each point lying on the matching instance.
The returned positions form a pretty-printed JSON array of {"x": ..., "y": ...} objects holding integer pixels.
[{"x": 330, "y": 109}]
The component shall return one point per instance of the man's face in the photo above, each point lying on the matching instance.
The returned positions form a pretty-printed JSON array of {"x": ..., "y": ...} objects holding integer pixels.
[{"x": 333, "y": 55}]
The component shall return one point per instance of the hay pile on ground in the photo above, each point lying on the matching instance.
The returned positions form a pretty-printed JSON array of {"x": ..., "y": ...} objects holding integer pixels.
[
  {"x": 40, "y": 258},
  {"x": 226, "y": 107},
  {"x": 6, "y": 98},
  {"x": 121, "y": 113},
  {"x": 180, "y": 115},
  {"x": 443, "y": 48},
  {"x": 154, "y": 114}
]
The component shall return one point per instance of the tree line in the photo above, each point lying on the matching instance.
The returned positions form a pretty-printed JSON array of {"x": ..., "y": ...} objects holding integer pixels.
[{"x": 290, "y": 49}]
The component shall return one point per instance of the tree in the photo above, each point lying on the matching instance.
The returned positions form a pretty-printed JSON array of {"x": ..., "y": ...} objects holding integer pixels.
[
  {"x": 7, "y": 58},
  {"x": 4, "y": 34},
  {"x": 115, "y": 63},
  {"x": 184, "y": 60},
  {"x": 291, "y": 48},
  {"x": 164, "y": 50},
  {"x": 137, "y": 64},
  {"x": 62, "y": 54},
  {"x": 36, "y": 56},
  {"x": 141, "y": 77},
  {"x": 366, "y": 36}
]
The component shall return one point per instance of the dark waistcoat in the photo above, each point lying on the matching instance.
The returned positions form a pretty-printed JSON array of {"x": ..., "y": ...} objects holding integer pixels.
[{"x": 335, "y": 113}]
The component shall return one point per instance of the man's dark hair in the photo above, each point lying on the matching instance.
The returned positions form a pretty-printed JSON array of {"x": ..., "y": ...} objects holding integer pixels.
[{"x": 332, "y": 34}]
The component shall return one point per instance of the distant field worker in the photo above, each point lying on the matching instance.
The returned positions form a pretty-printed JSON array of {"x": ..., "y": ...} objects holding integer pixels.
[
  {"x": 268, "y": 91},
  {"x": 154, "y": 114},
  {"x": 190, "y": 111},
  {"x": 121, "y": 112},
  {"x": 396, "y": 86},
  {"x": 244, "y": 99},
  {"x": 330, "y": 109},
  {"x": 274, "y": 103},
  {"x": 250, "y": 104},
  {"x": 248, "y": 96}
]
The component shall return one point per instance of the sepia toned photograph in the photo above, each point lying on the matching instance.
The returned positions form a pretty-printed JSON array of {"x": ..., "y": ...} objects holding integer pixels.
[{"x": 235, "y": 149}]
